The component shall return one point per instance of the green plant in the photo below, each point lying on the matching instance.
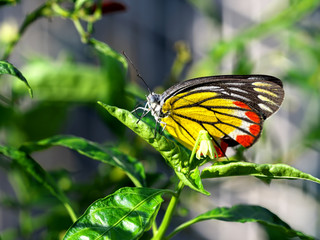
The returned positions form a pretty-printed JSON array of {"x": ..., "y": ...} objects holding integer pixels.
[{"x": 132, "y": 203}]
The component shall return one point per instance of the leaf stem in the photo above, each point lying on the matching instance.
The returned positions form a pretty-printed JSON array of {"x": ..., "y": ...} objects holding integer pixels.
[
  {"x": 169, "y": 213},
  {"x": 181, "y": 227},
  {"x": 70, "y": 211},
  {"x": 60, "y": 11},
  {"x": 43, "y": 10},
  {"x": 154, "y": 228},
  {"x": 83, "y": 34}
]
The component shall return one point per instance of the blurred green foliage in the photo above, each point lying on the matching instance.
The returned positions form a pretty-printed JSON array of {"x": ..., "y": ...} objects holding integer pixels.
[{"x": 61, "y": 84}]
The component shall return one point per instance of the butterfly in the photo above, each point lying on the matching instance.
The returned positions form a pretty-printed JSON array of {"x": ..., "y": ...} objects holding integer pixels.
[{"x": 231, "y": 108}]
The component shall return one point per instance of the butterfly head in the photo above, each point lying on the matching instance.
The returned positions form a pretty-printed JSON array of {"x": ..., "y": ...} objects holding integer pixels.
[{"x": 155, "y": 105}]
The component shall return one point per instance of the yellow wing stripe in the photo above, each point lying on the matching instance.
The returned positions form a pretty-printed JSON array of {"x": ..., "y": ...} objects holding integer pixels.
[
  {"x": 184, "y": 130},
  {"x": 185, "y": 100},
  {"x": 265, "y": 99},
  {"x": 189, "y": 112},
  {"x": 260, "y": 90},
  {"x": 262, "y": 84}
]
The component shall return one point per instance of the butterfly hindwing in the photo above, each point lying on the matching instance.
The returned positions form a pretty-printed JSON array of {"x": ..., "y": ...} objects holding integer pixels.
[{"x": 231, "y": 107}]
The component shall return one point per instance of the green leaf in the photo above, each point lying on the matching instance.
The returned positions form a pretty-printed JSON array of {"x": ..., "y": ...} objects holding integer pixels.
[
  {"x": 115, "y": 67},
  {"x": 112, "y": 156},
  {"x": 270, "y": 171},
  {"x": 108, "y": 51},
  {"x": 243, "y": 214},
  {"x": 30, "y": 166},
  {"x": 193, "y": 180},
  {"x": 73, "y": 82},
  {"x": 28, "y": 125},
  {"x": 176, "y": 157},
  {"x": 125, "y": 214},
  {"x": 8, "y": 68}
]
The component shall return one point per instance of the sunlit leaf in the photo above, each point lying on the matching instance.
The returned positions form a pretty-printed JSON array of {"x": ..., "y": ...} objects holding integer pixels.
[
  {"x": 8, "y": 68},
  {"x": 112, "y": 156},
  {"x": 175, "y": 156},
  {"x": 270, "y": 171},
  {"x": 125, "y": 214},
  {"x": 247, "y": 213}
]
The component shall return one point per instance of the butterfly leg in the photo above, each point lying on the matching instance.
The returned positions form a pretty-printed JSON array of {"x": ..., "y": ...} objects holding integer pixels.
[
  {"x": 145, "y": 109},
  {"x": 164, "y": 127},
  {"x": 155, "y": 129},
  {"x": 157, "y": 122}
]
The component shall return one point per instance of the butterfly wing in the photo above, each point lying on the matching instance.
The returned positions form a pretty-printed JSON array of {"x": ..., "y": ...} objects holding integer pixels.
[{"x": 231, "y": 108}]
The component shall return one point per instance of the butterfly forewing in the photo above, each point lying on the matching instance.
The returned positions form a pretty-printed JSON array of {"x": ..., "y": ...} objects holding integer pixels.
[{"x": 231, "y": 107}]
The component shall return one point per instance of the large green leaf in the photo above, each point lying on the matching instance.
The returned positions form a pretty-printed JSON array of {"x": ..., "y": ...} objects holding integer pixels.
[
  {"x": 269, "y": 171},
  {"x": 30, "y": 166},
  {"x": 65, "y": 81},
  {"x": 175, "y": 156},
  {"x": 8, "y": 68},
  {"x": 246, "y": 213},
  {"x": 125, "y": 214},
  {"x": 112, "y": 156}
]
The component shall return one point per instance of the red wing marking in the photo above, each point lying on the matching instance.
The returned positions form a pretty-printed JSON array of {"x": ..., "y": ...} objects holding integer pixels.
[
  {"x": 253, "y": 116},
  {"x": 245, "y": 140},
  {"x": 222, "y": 149},
  {"x": 255, "y": 129},
  {"x": 241, "y": 105}
]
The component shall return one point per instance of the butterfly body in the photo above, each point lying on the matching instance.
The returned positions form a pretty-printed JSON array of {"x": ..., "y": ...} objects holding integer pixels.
[{"x": 231, "y": 108}]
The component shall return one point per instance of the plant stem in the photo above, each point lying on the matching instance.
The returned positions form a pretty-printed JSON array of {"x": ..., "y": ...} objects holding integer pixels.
[
  {"x": 83, "y": 34},
  {"x": 60, "y": 11},
  {"x": 154, "y": 228},
  {"x": 180, "y": 228},
  {"x": 169, "y": 213},
  {"x": 43, "y": 10},
  {"x": 70, "y": 211}
]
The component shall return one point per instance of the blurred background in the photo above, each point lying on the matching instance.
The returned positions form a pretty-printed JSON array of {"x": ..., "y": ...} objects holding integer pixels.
[{"x": 167, "y": 41}]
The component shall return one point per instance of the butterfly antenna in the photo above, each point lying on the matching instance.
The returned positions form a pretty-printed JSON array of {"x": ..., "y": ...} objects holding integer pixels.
[{"x": 138, "y": 74}]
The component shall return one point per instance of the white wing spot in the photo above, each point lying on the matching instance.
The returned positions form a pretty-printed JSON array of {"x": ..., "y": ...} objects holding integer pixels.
[
  {"x": 239, "y": 96},
  {"x": 234, "y": 83},
  {"x": 238, "y": 90},
  {"x": 253, "y": 77},
  {"x": 207, "y": 88},
  {"x": 264, "y": 107}
]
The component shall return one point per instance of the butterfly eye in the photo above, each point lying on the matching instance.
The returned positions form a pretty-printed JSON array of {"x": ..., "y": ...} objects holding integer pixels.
[{"x": 153, "y": 98}]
